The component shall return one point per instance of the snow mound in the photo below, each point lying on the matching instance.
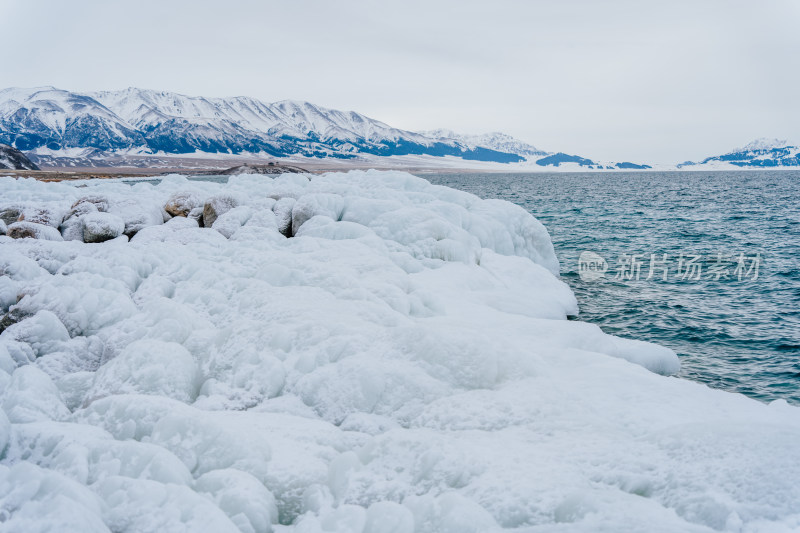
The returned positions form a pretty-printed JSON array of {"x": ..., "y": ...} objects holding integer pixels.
[{"x": 361, "y": 352}]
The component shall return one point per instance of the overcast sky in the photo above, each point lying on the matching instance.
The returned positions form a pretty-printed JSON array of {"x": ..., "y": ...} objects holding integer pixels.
[{"x": 618, "y": 80}]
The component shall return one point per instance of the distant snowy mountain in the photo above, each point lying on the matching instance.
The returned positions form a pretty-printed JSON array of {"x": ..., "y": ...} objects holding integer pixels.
[
  {"x": 47, "y": 120},
  {"x": 495, "y": 141},
  {"x": 761, "y": 153},
  {"x": 62, "y": 128}
]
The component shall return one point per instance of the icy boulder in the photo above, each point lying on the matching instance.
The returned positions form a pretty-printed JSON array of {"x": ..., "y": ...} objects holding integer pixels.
[
  {"x": 149, "y": 367},
  {"x": 101, "y": 227},
  {"x": 48, "y": 216},
  {"x": 100, "y": 202},
  {"x": 181, "y": 203},
  {"x": 136, "y": 214},
  {"x": 283, "y": 209},
  {"x": 228, "y": 222},
  {"x": 33, "y": 230},
  {"x": 216, "y": 206},
  {"x": 10, "y": 214},
  {"x": 72, "y": 226}
]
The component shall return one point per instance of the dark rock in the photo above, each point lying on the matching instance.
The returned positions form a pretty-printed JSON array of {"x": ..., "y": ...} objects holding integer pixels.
[
  {"x": 269, "y": 168},
  {"x": 10, "y": 214},
  {"x": 12, "y": 317},
  {"x": 13, "y": 159}
]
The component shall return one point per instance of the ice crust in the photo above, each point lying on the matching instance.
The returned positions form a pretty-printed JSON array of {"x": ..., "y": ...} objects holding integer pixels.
[{"x": 360, "y": 352}]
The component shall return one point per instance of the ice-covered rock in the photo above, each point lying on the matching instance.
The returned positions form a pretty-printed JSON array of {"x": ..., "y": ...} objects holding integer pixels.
[
  {"x": 216, "y": 206},
  {"x": 149, "y": 367},
  {"x": 136, "y": 214},
  {"x": 101, "y": 227},
  {"x": 283, "y": 212},
  {"x": 10, "y": 214},
  {"x": 228, "y": 222},
  {"x": 310, "y": 205},
  {"x": 180, "y": 204},
  {"x": 31, "y": 396},
  {"x": 196, "y": 214},
  {"x": 72, "y": 227},
  {"x": 99, "y": 201},
  {"x": 48, "y": 216},
  {"x": 32, "y": 230}
]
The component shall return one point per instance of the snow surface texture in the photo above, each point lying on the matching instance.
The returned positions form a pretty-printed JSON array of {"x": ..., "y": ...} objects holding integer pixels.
[{"x": 360, "y": 352}]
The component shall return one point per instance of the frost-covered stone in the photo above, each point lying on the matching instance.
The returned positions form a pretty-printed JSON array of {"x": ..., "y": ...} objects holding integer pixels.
[
  {"x": 230, "y": 221},
  {"x": 100, "y": 202},
  {"x": 196, "y": 214},
  {"x": 10, "y": 214},
  {"x": 137, "y": 214},
  {"x": 308, "y": 206},
  {"x": 101, "y": 227},
  {"x": 48, "y": 216},
  {"x": 180, "y": 204},
  {"x": 43, "y": 332},
  {"x": 72, "y": 227},
  {"x": 216, "y": 206},
  {"x": 32, "y": 230},
  {"x": 149, "y": 367},
  {"x": 31, "y": 396},
  {"x": 38, "y": 499},
  {"x": 246, "y": 501},
  {"x": 283, "y": 213},
  {"x": 84, "y": 207}
]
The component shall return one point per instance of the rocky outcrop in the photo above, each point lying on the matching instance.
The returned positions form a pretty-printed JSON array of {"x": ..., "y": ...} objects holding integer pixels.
[{"x": 269, "y": 168}]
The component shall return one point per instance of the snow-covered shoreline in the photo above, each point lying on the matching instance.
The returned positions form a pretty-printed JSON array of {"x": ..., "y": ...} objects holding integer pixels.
[{"x": 360, "y": 351}]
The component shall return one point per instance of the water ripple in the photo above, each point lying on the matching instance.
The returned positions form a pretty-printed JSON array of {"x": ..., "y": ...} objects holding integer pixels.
[{"x": 742, "y": 336}]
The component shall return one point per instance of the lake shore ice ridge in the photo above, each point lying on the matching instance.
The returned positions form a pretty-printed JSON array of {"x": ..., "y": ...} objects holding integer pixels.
[{"x": 354, "y": 352}]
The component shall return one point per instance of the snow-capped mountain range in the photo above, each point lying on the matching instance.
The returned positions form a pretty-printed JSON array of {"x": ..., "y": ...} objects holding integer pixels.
[
  {"x": 151, "y": 128},
  {"x": 57, "y": 126},
  {"x": 47, "y": 120},
  {"x": 761, "y": 153}
]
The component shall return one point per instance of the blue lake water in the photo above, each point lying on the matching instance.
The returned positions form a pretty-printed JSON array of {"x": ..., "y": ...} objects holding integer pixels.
[{"x": 734, "y": 328}]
